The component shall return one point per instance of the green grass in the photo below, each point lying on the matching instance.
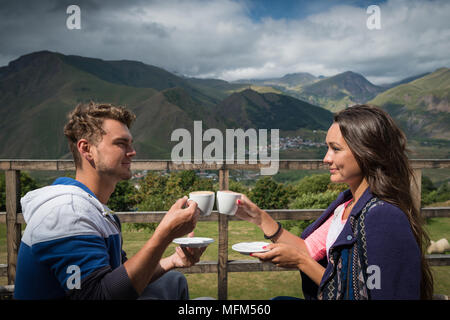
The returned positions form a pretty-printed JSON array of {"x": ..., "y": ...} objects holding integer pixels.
[
  {"x": 241, "y": 285},
  {"x": 438, "y": 228},
  {"x": 249, "y": 285}
]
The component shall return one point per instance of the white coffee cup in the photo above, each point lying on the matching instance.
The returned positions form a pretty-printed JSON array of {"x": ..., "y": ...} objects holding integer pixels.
[
  {"x": 226, "y": 202},
  {"x": 204, "y": 200}
]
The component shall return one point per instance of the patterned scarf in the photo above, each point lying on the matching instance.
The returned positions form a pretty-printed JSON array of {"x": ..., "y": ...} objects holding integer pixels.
[{"x": 349, "y": 273}]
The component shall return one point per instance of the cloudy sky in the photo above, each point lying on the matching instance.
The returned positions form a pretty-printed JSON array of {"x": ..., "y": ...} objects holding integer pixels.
[{"x": 239, "y": 39}]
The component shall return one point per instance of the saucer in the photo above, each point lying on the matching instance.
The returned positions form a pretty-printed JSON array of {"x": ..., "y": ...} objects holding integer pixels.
[
  {"x": 250, "y": 247},
  {"x": 193, "y": 242}
]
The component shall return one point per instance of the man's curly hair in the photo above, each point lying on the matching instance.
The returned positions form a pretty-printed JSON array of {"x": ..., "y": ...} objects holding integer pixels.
[{"x": 86, "y": 121}]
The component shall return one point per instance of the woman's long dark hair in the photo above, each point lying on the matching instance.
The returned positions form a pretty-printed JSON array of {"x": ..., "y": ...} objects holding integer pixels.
[{"x": 379, "y": 147}]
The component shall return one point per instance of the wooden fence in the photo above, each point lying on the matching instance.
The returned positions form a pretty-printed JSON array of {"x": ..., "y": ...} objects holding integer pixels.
[{"x": 222, "y": 266}]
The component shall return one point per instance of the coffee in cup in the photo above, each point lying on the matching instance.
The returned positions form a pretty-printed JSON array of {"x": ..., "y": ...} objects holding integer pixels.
[
  {"x": 204, "y": 200},
  {"x": 226, "y": 202}
]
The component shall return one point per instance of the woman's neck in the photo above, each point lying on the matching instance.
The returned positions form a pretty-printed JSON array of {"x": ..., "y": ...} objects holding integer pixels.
[{"x": 358, "y": 189}]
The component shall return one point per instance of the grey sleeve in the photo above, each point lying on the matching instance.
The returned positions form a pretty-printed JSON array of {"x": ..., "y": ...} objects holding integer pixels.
[
  {"x": 124, "y": 254},
  {"x": 105, "y": 284}
]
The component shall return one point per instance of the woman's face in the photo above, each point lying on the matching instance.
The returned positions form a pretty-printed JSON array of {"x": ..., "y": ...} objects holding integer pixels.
[{"x": 342, "y": 164}]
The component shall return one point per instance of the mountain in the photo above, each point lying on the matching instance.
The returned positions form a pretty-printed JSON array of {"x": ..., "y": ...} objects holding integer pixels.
[
  {"x": 421, "y": 106},
  {"x": 403, "y": 81},
  {"x": 297, "y": 79},
  {"x": 288, "y": 81},
  {"x": 249, "y": 108},
  {"x": 125, "y": 72},
  {"x": 37, "y": 91},
  {"x": 340, "y": 91},
  {"x": 137, "y": 74},
  {"x": 216, "y": 87}
]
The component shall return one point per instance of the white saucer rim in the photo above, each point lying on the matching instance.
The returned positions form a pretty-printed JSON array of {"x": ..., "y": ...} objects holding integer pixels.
[
  {"x": 206, "y": 241},
  {"x": 247, "y": 252}
]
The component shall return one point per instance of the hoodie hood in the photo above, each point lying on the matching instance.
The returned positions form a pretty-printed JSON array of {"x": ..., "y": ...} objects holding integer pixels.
[
  {"x": 66, "y": 227},
  {"x": 33, "y": 200}
]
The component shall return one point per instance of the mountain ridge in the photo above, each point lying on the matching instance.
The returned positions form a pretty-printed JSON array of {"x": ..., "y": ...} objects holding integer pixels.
[
  {"x": 39, "y": 89},
  {"x": 421, "y": 105},
  {"x": 340, "y": 91},
  {"x": 271, "y": 110}
]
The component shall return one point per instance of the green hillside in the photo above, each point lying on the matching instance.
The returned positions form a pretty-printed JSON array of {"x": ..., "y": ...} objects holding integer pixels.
[
  {"x": 270, "y": 110},
  {"x": 287, "y": 82},
  {"x": 125, "y": 72},
  {"x": 138, "y": 74},
  {"x": 39, "y": 89},
  {"x": 421, "y": 106},
  {"x": 340, "y": 91},
  {"x": 35, "y": 99}
]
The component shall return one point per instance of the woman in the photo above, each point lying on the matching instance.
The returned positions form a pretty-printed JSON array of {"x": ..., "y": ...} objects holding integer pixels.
[{"x": 369, "y": 243}]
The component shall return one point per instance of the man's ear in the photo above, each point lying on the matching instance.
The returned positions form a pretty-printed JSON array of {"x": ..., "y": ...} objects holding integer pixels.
[{"x": 84, "y": 148}]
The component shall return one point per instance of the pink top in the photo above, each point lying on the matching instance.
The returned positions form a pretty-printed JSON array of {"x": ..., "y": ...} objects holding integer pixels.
[{"x": 316, "y": 242}]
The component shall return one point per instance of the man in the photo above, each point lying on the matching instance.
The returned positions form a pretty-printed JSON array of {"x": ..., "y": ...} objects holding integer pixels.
[{"x": 72, "y": 246}]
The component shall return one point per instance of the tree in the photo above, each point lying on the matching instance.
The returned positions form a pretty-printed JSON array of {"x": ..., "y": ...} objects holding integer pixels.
[
  {"x": 312, "y": 184},
  {"x": 157, "y": 192},
  {"x": 440, "y": 194},
  {"x": 268, "y": 194},
  {"x": 316, "y": 192},
  {"x": 26, "y": 184},
  {"x": 427, "y": 185},
  {"x": 236, "y": 186},
  {"x": 123, "y": 198},
  {"x": 312, "y": 192},
  {"x": 151, "y": 192},
  {"x": 314, "y": 200}
]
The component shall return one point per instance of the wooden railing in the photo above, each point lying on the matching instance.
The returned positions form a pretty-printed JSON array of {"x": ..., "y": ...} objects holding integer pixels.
[{"x": 222, "y": 266}]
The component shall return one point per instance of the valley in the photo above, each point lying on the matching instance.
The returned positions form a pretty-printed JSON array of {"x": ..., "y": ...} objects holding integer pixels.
[{"x": 37, "y": 90}]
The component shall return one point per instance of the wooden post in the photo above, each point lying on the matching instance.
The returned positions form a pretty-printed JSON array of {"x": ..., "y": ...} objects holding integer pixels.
[
  {"x": 416, "y": 188},
  {"x": 222, "y": 280},
  {"x": 13, "y": 229}
]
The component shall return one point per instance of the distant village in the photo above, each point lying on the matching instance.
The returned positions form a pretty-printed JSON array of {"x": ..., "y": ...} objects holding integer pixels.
[
  {"x": 298, "y": 143},
  {"x": 285, "y": 143}
]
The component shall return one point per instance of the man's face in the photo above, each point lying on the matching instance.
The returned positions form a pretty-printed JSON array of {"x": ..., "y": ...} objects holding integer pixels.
[{"x": 112, "y": 155}]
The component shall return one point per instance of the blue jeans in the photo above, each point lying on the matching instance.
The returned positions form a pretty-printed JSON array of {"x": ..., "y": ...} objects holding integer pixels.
[{"x": 170, "y": 286}]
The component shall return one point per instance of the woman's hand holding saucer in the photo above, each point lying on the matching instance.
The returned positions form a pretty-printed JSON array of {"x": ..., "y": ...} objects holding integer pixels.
[{"x": 283, "y": 255}]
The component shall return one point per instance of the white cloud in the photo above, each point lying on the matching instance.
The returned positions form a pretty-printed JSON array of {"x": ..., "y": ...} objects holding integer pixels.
[{"x": 219, "y": 39}]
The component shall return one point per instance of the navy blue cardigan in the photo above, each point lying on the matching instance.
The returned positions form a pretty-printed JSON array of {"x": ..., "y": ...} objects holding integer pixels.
[{"x": 391, "y": 246}]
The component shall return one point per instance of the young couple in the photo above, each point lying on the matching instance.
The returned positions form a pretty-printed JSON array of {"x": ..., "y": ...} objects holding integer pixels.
[{"x": 368, "y": 244}]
